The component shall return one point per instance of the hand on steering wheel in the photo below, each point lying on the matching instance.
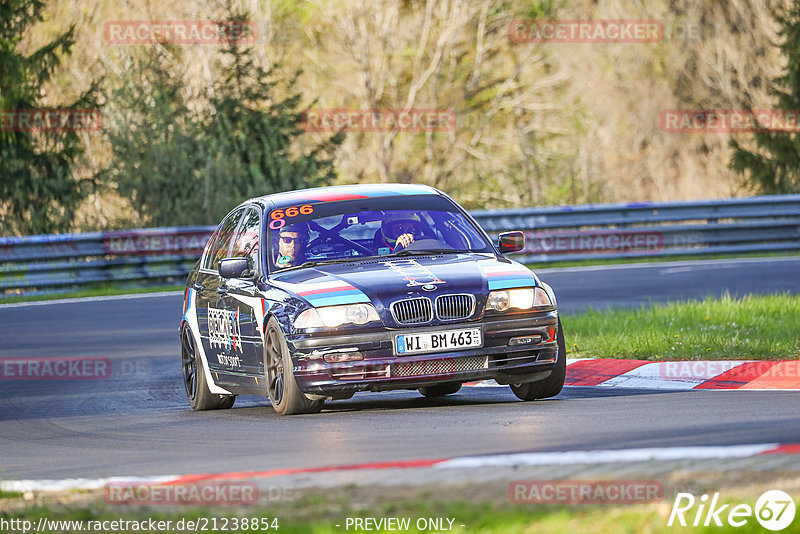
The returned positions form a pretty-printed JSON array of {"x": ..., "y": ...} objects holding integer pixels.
[{"x": 404, "y": 240}]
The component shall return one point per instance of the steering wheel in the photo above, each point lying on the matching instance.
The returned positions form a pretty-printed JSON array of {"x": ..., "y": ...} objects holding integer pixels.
[
  {"x": 332, "y": 235},
  {"x": 429, "y": 244}
]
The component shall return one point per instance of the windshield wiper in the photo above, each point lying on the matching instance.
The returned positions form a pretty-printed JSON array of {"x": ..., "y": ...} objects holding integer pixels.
[
  {"x": 417, "y": 252},
  {"x": 315, "y": 263}
]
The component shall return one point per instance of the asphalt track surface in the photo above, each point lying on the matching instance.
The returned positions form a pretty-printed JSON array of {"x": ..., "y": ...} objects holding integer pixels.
[{"x": 137, "y": 422}]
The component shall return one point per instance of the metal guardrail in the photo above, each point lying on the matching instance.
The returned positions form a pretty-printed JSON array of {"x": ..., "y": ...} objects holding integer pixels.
[
  {"x": 52, "y": 263},
  {"x": 646, "y": 229}
]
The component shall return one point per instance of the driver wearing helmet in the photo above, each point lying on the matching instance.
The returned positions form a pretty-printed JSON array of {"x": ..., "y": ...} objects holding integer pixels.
[{"x": 398, "y": 230}]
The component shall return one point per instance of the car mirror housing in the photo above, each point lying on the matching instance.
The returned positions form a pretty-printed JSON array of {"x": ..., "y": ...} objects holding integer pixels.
[
  {"x": 511, "y": 241},
  {"x": 234, "y": 268}
]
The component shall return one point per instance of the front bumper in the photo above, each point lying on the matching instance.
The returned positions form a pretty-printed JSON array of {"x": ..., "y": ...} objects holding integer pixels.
[{"x": 381, "y": 369}]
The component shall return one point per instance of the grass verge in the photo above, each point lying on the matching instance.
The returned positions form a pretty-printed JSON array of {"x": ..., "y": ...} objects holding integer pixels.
[{"x": 751, "y": 327}]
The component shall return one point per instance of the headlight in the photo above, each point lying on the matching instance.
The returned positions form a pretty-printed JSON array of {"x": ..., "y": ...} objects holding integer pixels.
[
  {"x": 333, "y": 316},
  {"x": 523, "y": 299}
]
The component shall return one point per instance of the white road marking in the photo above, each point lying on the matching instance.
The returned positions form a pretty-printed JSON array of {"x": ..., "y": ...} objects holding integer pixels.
[
  {"x": 467, "y": 462},
  {"x": 92, "y": 299},
  {"x": 79, "y": 483},
  {"x": 607, "y": 456}
]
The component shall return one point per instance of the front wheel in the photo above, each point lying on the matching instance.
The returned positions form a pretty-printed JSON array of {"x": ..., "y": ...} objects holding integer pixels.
[
  {"x": 284, "y": 394},
  {"x": 194, "y": 378},
  {"x": 550, "y": 386}
]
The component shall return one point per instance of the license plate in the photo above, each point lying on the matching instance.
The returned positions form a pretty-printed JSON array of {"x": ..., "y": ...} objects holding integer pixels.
[{"x": 438, "y": 341}]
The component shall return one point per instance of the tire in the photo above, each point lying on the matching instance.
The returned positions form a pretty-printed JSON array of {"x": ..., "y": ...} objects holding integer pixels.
[
  {"x": 284, "y": 394},
  {"x": 194, "y": 378},
  {"x": 552, "y": 385},
  {"x": 440, "y": 390}
]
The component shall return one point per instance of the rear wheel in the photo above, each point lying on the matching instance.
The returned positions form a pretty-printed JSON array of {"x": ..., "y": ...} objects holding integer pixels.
[
  {"x": 440, "y": 390},
  {"x": 550, "y": 386},
  {"x": 194, "y": 378},
  {"x": 284, "y": 394}
]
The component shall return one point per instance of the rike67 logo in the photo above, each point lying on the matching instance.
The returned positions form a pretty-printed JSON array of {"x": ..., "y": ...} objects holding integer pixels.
[{"x": 774, "y": 510}]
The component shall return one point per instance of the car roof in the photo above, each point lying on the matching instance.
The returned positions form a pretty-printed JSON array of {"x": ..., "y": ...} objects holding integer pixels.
[{"x": 342, "y": 192}]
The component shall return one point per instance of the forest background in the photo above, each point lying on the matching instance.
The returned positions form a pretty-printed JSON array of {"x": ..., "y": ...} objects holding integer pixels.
[{"x": 190, "y": 130}]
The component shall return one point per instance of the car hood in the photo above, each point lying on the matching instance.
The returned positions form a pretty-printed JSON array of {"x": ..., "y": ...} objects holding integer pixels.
[{"x": 382, "y": 281}]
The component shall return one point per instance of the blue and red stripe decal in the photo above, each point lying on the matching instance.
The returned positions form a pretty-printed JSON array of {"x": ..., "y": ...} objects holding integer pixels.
[
  {"x": 330, "y": 293},
  {"x": 506, "y": 276}
]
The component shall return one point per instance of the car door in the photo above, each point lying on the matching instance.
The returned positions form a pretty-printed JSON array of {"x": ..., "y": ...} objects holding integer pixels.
[
  {"x": 216, "y": 328},
  {"x": 242, "y": 302}
]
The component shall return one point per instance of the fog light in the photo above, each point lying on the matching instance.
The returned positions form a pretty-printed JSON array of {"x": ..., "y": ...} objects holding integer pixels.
[
  {"x": 525, "y": 340},
  {"x": 343, "y": 357}
]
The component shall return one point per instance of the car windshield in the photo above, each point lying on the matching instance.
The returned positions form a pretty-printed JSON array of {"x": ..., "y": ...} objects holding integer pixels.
[{"x": 314, "y": 233}]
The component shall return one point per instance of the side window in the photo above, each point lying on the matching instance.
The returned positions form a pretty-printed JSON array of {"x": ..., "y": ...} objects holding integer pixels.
[
  {"x": 248, "y": 238},
  {"x": 209, "y": 250},
  {"x": 224, "y": 237}
]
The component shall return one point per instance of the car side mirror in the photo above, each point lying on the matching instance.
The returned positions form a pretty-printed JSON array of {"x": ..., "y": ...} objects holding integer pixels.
[
  {"x": 511, "y": 241},
  {"x": 235, "y": 268}
]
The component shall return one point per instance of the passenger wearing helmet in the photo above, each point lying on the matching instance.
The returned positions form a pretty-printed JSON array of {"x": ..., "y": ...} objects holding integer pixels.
[
  {"x": 398, "y": 230},
  {"x": 292, "y": 242}
]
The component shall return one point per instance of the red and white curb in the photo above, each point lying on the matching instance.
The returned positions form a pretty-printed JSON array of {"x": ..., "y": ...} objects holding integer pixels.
[
  {"x": 466, "y": 462},
  {"x": 680, "y": 375}
]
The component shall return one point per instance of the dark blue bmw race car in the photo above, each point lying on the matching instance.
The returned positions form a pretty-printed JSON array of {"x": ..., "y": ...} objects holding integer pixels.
[{"x": 317, "y": 294}]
